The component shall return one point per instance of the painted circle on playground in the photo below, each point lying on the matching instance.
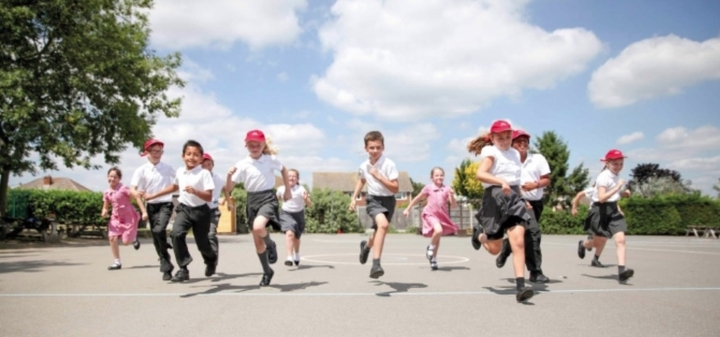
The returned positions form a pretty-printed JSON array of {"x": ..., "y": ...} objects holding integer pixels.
[{"x": 387, "y": 259}]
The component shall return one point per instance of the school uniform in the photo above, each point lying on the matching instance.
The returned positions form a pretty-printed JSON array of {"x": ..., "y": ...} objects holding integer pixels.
[
  {"x": 192, "y": 212},
  {"x": 534, "y": 167},
  {"x": 214, "y": 204},
  {"x": 379, "y": 199},
  {"x": 606, "y": 218},
  {"x": 259, "y": 178},
  {"x": 500, "y": 212},
  {"x": 590, "y": 193},
  {"x": 152, "y": 179},
  {"x": 292, "y": 215}
]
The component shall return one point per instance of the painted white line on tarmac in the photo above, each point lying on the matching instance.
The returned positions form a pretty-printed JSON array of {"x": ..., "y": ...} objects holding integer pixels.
[
  {"x": 631, "y": 248},
  {"x": 341, "y": 294},
  {"x": 442, "y": 259}
]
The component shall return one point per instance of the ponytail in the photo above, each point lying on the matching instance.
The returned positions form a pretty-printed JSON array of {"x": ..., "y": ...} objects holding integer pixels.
[
  {"x": 269, "y": 149},
  {"x": 476, "y": 145}
]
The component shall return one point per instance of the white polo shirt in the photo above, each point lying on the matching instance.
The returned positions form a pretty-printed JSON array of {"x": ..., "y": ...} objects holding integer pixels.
[
  {"x": 387, "y": 169},
  {"x": 257, "y": 174},
  {"x": 217, "y": 191},
  {"x": 590, "y": 192},
  {"x": 296, "y": 203},
  {"x": 534, "y": 167},
  {"x": 152, "y": 179},
  {"x": 608, "y": 180},
  {"x": 506, "y": 164},
  {"x": 197, "y": 178}
]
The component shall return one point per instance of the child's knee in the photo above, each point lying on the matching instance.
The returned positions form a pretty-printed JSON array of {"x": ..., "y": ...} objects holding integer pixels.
[
  {"x": 290, "y": 234},
  {"x": 112, "y": 239},
  {"x": 494, "y": 248}
]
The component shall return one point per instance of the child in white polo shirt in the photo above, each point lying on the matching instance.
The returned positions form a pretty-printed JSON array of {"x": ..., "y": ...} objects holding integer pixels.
[
  {"x": 214, "y": 204},
  {"x": 381, "y": 176},
  {"x": 195, "y": 185},
  {"x": 292, "y": 216},
  {"x": 257, "y": 172}
]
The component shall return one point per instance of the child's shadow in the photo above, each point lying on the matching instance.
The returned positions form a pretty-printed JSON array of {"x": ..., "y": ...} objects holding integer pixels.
[
  {"x": 225, "y": 287},
  {"x": 296, "y": 286},
  {"x": 220, "y": 277},
  {"x": 399, "y": 287},
  {"x": 537, "y": 286},
  {"x": 311, "y": 266},
  {"x": 509, "y": 291},
  {"x": 608, "y": 277},
  {"x": 452, "y": 268}
]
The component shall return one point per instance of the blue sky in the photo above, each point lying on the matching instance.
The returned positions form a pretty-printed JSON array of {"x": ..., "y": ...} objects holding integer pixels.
[{"x": 641, "y": 76}]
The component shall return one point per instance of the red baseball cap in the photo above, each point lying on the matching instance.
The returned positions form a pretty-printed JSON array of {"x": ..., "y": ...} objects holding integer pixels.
[
  {"x": 255, "y": 135},
  {"x": 149, "y": 144},
  {"x": 613, "y": 154},
  {"x": 519, "y": 133},
  {"x": 500, "y": 126},
  {"x": 207, "y": 156}
]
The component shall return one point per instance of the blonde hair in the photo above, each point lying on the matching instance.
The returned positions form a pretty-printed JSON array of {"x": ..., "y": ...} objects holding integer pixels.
[
  {"x": 269, "y": 148},
  {"x": 476, "y": 145}
]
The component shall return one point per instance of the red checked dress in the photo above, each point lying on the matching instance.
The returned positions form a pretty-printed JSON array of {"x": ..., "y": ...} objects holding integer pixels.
[{"x": 436, "y": 210}]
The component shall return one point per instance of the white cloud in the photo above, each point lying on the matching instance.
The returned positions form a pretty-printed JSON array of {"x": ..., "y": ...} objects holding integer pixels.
[
  {"x": 697, "y": 164},
  {"x": 631, "y": 138},
  {"x": 178, "y": 24},
  {"x": 409, "y": 144},
  {"x": 700, "y": 139},
  {"x": 654, "y": 67},
  {"x": 405, "y": 58},
  {"x": 282, "y": 77}
]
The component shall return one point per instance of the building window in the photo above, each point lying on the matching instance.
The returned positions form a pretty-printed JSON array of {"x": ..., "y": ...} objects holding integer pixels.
[{"x": 401, "y": 196}]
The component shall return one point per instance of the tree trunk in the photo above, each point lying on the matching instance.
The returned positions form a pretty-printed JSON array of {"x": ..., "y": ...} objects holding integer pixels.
[{"x": 4, "y": 181}]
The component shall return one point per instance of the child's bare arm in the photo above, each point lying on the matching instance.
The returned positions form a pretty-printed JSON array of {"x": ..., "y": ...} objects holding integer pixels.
[{"x": 358, "y": 188}]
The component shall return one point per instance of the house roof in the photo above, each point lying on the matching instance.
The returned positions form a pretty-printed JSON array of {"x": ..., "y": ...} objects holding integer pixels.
[
  {"x": 55, "y": 184},
  {"x": 345, "y": 181}
]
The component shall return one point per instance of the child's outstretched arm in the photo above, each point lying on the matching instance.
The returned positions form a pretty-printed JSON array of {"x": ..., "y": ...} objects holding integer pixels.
[
  {"x": 167, "y": 190},
  {"x": 576, "y": 201},
  {"x": 288, "y": 192},
  {"x": 451, "y": 196},
  {"x": 412, "y": 203},
  {"x": 141, "y": 205},
  {"x": 358, "y": 188}
]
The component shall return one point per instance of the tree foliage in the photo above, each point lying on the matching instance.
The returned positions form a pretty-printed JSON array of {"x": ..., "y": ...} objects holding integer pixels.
[
  {"x": 555, "y": 151},
  {"x": 465, "y": 183},
  {"x": 77, "y": 80},
  {"x": 650, "y": 180},
  {"x": 716, "y": 187},
  {"x": 417, "y": 187},
  {"x": 329, "y": 213}
]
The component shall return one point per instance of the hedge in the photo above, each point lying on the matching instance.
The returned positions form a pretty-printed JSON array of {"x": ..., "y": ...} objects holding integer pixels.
[{"x": 73, "y": 206}]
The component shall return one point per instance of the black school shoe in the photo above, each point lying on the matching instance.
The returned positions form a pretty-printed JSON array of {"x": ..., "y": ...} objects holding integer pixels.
[
  {"x": 504, "y": 254},
  {"x": 524, "y": 294},
  {"x": 596, "y": 263},
  {"x": 297, "y": 263},
  {"x": 136, "y": 244},
  {"x": 474, "y": 239},
  {"x": 181, "y": 276},
  {"x": 624, "y": 276},
  {"x": 272, "y": 252},
  {"x": 538, "y": 278},
  {"x": 364, "y": 252},
  {"x": 168, "y": 274},
  {"x": 210, "y": 269},
  {"x": 376, "y": 271},
  {"x": 289, "y": 263},
  {"x": 266, "y": 278},
  {"x": 581, "y": 249},
  {"x": 115, "y": 266}
]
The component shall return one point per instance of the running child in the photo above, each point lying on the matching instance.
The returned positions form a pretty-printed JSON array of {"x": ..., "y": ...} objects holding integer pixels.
[
  {"x": 503, "y": 208},
  {"x": 257, "y": 172},
  {"x": 381, "y": 177},
  {"x": 435, "y": 214},
  {"x": 292, "y": 216},
  {"x": 195, "y": 185},
  {"x": 214, "y": 204},
  {"x": 124, "y": 219}
]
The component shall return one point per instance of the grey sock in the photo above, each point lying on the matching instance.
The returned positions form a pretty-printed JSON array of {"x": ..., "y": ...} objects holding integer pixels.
[
  {"x": 621, "y": 269},
  {"x": 376, "y": 262},
  {"x": 267, "y": 240},
  {"x": 264, "y": 262}
]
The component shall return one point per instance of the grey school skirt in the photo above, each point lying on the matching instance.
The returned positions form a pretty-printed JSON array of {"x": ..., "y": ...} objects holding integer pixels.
[
  {"x": 376, "y": 204},
  {"x": 263, "y": 203},
  {"x": 499, "y": 212},
  {"x": 605, "y": 220},
  {"x": 293, "y": 221}
]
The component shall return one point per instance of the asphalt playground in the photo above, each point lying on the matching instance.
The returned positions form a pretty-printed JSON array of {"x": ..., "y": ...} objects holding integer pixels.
[{"x": 66, "y": 290}]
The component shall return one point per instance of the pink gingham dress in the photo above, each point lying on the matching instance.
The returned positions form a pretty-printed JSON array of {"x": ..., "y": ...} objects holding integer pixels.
[
  {"x": 436, "y": 210},
  {"x": 124, "y": 218}
]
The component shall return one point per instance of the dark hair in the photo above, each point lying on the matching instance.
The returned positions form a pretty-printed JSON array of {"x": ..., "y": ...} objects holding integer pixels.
[
  {"x": 117, "y": 171},
  {"x": 436, "y": 168},
  {"x": 476, "y": 145},
  {"x": 374, "y": 136},
  {"x": 192, "y": 143}
]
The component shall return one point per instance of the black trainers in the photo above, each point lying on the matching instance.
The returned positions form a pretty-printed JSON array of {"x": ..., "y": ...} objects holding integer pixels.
[
  {"x": 581, "y": 249},
  {"x": 272, "y": 252},
  {"x": 210, "y": 269},
  {"x": 524, "y": 294},
  {"x": 538, "y": 278},
  {"x": 266, "y": 278},
  {"x": 136, "y": 244},
  {"x": 181, "y": 276},
  {"x": 115, "y": 266},
  {"x": 376, "y": 271},
  {"x": 624, "y": 276},
  {"x": 474, "y": 239},
  {"x": 168, "y": 274},
  {"x": 297, "y": 262},
  {"x": 596, "y": 263},
  {"x": 504, "y": 254},
  {"x": 364, "y": 252},
  {"x": 289, "y": 262}
]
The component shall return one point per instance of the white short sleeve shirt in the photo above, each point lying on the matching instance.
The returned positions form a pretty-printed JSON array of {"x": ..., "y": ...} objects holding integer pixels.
[
  {"x": 197, "y": 178},
  {"x": 296, "y": 203},
  {"x": 534, "y": 167},
  {"x": 386, "y": 167},
  {"x": 590, "y": 193},
  {"x": 152, "y": 179},
  {"x": 257, "y": 174},
  {"x": 217, "y": 191},
  {"x": 506, "y": 164},
  {"x": 608, "y": 180}
]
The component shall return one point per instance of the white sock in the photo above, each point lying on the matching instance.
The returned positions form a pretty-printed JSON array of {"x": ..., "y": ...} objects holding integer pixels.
[
  {"x": 117, "y": 261},
  {"x": 431, "y": 247},
  {"x": 296, "y": 256},
  {"x": 289, "y": 258}
]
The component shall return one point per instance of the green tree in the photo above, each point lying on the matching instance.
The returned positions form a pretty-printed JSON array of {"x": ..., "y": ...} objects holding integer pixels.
[
  {"x": 465, "y": 182},
  {"x": 77, "y": 80},
  {"x": 417, "y": 187},
  {"x": 716, "y": 187},
  {"x": 329, "y": 213},
  {"x": 554, "y": 149},
  {"x": 578, "y": 180}
]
